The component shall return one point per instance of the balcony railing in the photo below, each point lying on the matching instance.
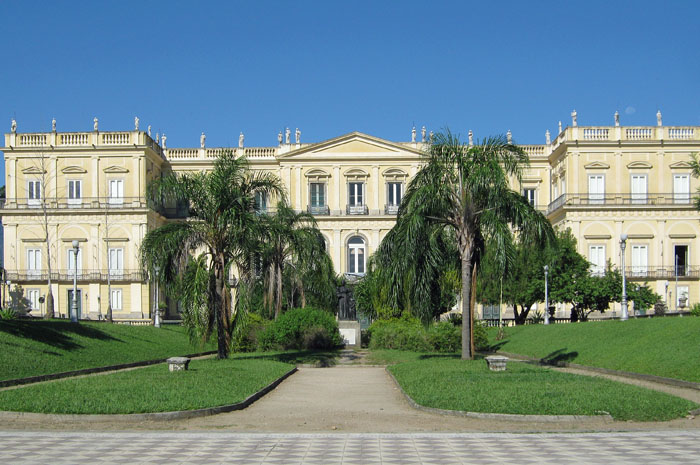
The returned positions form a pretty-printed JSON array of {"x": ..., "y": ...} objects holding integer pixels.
[
  {"x": 318, "y": 209},
  {"x": 82, "y": 276},
  {"x": 627, "y": 199},
  {"x": 73, "y": 204},
  {"x": 391, "y": 209},
  {"x": 662, "y": 272},
  {"x": 356, "y": 210}
]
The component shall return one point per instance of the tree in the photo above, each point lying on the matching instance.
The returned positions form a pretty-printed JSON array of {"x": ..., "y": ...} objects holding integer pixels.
[
  {"x": 465, "y": 190},
  {"x": 221, "y": 230},
  {"x": 292, "y": 243}
]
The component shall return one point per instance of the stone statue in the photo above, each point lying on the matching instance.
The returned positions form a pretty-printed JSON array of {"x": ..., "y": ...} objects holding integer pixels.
[
  {"x": 149, "y": 130},
  {"x": 559, "y": 127},
  {"x": 413, "y": 134},
  {"x": 203, "y": 140},
  {"x": 431, "y": 137},
  {"x": 163, "y": 139},
  {"x": 574, "y": 118},
  {"x": 287, "y": 133},
  {"x": 471, "y": 138},
  {"x": 136, "y": 123},
  {"x": 95, "y": 123},
  {"x": 509, "y": 136},
  {"x": 241, "y": 140},
  {"x": 13, "y": 126},
  {"x": 422, "y": 134},
  {"x": 658, "y": 118},
  {"x": 297, "y": 136},
  {"x": 157, "y": 137},
  {"x": 548, "y": 138},
  {"x": 617, "y": 118},
  {"x": 53, "y": 124},
  {"x": 346, "y": 304},
  {"x": 279, "y": 138}
]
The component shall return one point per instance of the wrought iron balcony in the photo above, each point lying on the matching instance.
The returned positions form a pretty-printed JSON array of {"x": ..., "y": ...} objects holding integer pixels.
[
  {"x": 22, "y": 276},
  {"x": 391, "y": 209},
  {"x": 662, "y": 272},
  {"x": 318, "y": 209},
  {"x": 357, "y": 210},
  {"x": 679, "y": 199}
]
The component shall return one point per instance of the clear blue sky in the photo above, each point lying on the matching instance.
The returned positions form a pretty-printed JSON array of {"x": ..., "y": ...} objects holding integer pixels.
[{"x": 332, "y": 67}]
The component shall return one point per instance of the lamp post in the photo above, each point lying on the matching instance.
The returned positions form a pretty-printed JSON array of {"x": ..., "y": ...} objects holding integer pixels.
[
  {"x": 623, "y": 302},
  {"x": 546, "y": 296},
  {"x": 156, "y": 310},
  {"x": 74, "y": 305}
]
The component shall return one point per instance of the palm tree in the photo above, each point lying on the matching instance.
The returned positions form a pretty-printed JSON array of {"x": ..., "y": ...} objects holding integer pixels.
[
  {"x": 291, "y": 240},
  {"x": 220, "y": 229},
  {"x": 466, "y": 190}
]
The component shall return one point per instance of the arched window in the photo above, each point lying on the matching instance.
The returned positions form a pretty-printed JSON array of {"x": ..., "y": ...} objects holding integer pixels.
[{"x": 356, "y": 255}]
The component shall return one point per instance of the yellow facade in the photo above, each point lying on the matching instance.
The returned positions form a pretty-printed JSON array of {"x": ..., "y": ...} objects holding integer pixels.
[{"x": 599, "y": 181}]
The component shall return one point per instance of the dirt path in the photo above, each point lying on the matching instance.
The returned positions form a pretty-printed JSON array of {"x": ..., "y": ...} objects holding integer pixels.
[{"x": 350, "y": 399}]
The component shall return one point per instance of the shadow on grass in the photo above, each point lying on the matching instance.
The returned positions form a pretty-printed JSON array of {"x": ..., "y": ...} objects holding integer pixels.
[
  {"x": 559, "y": 357},
  {"x": 310, "y": 357},
  {"x": 54, "y": 333}
]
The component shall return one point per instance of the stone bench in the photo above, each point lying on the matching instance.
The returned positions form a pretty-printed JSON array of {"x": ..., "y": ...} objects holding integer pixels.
[
  {"x": 496, "y": 362},
  {"x": 178, "y": 363}
]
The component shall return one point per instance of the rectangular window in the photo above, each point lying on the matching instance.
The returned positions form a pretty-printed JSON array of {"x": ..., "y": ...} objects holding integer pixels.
[
  {"x": 33, "y": 261},
  {"x": 681, "y": 188},
  {"x": 260, "y": 202},
  {"x": 33, "y": 298},
  {"x": 116, "y": 261},
  {"x": 116, "y": 191},
  {"x": 530, "y": 196},
  {"x": 356, "y": 194},
  {"x": 71, "y": 260},
  {"x": 74, "y": 191},
  {"x": 596, "y": 189},
  {"x": 680, "y": 260},
  {"x": 318, "y": 194},
  {"x": 395, "y": 193},
  {"x": 116, "y": 299},
  {"x": 638, "y": 186},
  {"x": 639, "y": 260},
  {"x": 596, "y": 256},
  {"x": 33, "y": 192}
]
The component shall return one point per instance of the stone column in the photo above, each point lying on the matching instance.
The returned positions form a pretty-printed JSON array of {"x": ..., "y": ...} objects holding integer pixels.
[
  {"x": 336, "y": 251},
  {"x": 375, "y": 182}
]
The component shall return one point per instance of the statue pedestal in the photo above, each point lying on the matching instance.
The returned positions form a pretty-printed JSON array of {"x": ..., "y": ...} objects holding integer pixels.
[{"x": 350, "y": 331}]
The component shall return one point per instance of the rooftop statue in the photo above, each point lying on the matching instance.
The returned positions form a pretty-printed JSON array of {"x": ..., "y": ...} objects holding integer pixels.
[
  {"x": 95, "y": 123},
  {"x": 149, "y": 130},
  {"x": 413, "y": 134},
  {"x": 203, "y": 140},
  {"x": 617, "y": 118},
  {"x": 241, "y": 140},
  {"x": 53, "y": 124},
  {"x": 287, "y": 133},
  {"x": 574, "y": 118},
  {"x": 559, "y": 127},
  {"x": 297, "y": 136},
  {"x": 136, "y": 123},
  {"x": 163, "y": 138},
  {"x": 509, "y": 136},
  {"x": 547, "y": 138},
  {"x": 471, "y": 138},
  {"x": 658, "y": 118},
  {"x": 13, "y": 126},
  {"x": 279, "y": 138},
  {"x": 422, "y": 134}
]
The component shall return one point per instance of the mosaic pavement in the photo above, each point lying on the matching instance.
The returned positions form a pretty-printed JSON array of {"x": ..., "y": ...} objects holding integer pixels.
[{"x": 667, "y": 447}]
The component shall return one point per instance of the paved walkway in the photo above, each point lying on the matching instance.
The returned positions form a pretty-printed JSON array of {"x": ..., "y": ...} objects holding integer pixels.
[{"x": 678, "y": 447}]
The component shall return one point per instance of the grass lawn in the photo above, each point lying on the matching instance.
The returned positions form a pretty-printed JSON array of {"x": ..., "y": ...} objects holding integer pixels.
[
  {"x": 207, "y": 383},
  {"x": 666, "y": 347},
  {"x": 31, "y": 347},
  {"x": 446, "y": 382}
]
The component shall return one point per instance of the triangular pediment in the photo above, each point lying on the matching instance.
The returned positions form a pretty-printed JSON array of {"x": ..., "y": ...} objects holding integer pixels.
[
  {"x": 680, "y": 164},
  {"x": 599, "y": 165},
  {"x": 33, "y": 170},
  {"x": 352, "y": 144},
  {"x": 73, "y": 170},
  {"x": 116, "y": 169},
  {"x": 639, "y": 165}
]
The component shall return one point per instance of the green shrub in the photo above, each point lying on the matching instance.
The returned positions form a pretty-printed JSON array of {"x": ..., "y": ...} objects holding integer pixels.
[
  {"x": 410, "y": 334},
  {"x": 695, "y": 309},
  {"x": 8, "y": 313},
  {"x": 301, "y": 328},
  {"x": 246, "y": 338}
]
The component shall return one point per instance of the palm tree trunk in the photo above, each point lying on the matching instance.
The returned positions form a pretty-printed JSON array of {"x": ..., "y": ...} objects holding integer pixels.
[
  {"x": 270, "y": 298},
  {"x": 278, "y": 303},
  {"x": 467, "y": 353},
  {"x": 472, "y": 307},
  {"x": 222, "y": 321}
]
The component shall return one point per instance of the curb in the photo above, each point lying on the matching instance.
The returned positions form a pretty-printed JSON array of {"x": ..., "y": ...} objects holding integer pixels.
[
  {"x": 625, "y": 374},
  {"x": 500, "y": 416},
  {"x": 158, "y": 416},
  {"x": 89, "y": 371}
]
